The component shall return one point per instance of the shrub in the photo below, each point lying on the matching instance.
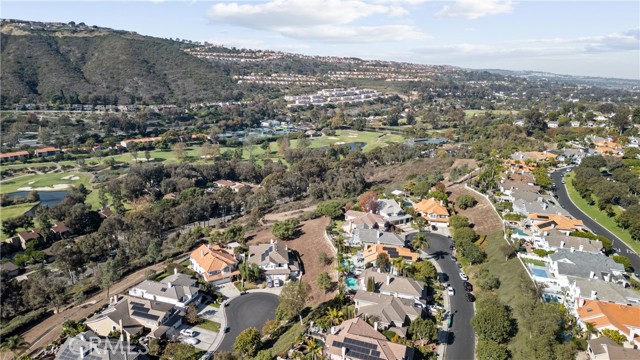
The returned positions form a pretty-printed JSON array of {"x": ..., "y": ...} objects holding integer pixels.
[
  {"x": 466, "y": 201},
  {"x": 542, "y": 252}
]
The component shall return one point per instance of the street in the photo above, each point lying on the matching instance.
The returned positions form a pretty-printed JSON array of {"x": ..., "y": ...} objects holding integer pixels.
[
  {"x": 565, "y": 202},
  {"x": 461, "y": 337},
  {"x": 248, "y": 310}
]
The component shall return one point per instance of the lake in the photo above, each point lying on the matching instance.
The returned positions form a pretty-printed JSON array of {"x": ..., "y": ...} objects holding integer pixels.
[{"x": 47, "y": 198}]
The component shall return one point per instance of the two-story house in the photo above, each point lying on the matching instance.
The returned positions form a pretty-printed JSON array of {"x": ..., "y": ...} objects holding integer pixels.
[
  {"x": 275, "y": 260},
  {"x": 392, "y": 212},
  {"x": 435, "y": 213},
  {"x": 176, "y": 289},
  {"x": 214, "y": 264},
  {"x": 566, "y": 263},
  {"x": 396, "y": 286}
]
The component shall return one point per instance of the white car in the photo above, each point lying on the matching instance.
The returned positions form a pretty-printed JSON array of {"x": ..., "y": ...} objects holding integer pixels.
[
  {"x": 450, "y": 290},
  {"x": 464, "y": 276},
  {"x": 190, "y": 340},
  {"x": 187, "y": 332}
]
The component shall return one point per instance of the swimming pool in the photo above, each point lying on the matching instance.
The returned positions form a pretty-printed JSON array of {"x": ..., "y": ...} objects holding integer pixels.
[
  {"x": 352, "y": 283},
  {"x": 539, "y": 272}
]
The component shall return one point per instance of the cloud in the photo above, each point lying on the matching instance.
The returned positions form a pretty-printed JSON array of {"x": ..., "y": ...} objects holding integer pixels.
[
  {"x": 473, "y": 9},
  {"x": 538, "y": 48},
  {"x": 318, "y": 20}
]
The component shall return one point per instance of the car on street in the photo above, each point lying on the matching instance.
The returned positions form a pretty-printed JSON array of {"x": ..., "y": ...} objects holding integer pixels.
[
  {"x": 451, "y": 247},
  {"x": 468, "y": 286},
  {"x": 190, "y": 340},
  {"x": 453, "y": 258},
  {"x": 448, "y": 319},
  {"x": 464, "y": 276},
  {"x": 443, "y": 278},
  {"x": 470, "y": 297},
  {"x": 450, "y": 290},
  {"x": 187, "y": 332}
]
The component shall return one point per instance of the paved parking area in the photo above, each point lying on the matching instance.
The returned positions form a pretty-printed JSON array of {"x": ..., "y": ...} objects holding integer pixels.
[
  {"x": 228, "y": 291},
  {"x": 206, "y": 337}
]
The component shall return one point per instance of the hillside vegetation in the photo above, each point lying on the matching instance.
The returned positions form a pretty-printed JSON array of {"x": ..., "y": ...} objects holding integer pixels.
[{"x": 106, "y": 68}]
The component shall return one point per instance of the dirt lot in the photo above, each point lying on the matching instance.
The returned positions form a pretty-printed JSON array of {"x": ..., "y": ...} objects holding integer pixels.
[
  {"x": 486, "y": 220},
  {"x": 309, "y": 245},
  {"x": 395, "y": 175}
]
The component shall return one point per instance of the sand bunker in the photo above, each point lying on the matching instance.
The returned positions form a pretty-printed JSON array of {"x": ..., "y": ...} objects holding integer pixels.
[
  {"x": 69, "y": 177},
  {"x": 333, "y": 138},
  {"x": 55, "y": 187},
  {"x": 353, "y": 136},
  {"x": 340, "y": 143}
]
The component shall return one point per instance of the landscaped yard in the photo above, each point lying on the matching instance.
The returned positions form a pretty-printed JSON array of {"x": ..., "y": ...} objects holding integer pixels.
[
  {"x": 8, "y": 212},
  {"x": 209, "y": 325},
  {"x": 534, "y": 262},
  {"x": 599, "y": 216}
]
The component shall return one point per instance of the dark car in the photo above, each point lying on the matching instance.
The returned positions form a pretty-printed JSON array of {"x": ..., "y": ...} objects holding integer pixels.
[
  {"x": 468, "y": 286},
  {"x": 470, "y": 297},
  {"x": 442, "y": 277}
]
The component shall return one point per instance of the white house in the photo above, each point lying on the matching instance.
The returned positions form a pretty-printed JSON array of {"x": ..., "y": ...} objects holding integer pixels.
[
  {"x": 177, "y": 289},
  {"x": 275, "y": 260}
]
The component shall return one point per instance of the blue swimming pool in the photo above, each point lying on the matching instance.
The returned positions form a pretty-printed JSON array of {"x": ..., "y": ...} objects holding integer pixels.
[
  {"x": 539, "y": 273},
  {"x": 352, "y": 283}
]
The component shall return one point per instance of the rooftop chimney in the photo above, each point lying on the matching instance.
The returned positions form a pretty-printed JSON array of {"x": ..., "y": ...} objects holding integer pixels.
[
  {"x": 581, "y": 303},
  {"x": 581, "y": 247},
  {"x": 271, "y": 241},
  {"x": 592, "y": 275},
  {"x": 594, "y": 295},
  {"x": 175, "y": 271},
  {"x": 344, "y": 353},
  {"x": 121, "y": 330},
  {"x": 169, "y": 284},
  {"x": 573, "y": 249},
  {"x": 375, "y": 325},
  {"x": 388, "y": 279},
  {"x": 561, "y": 244},
  {"x": 83, "y": 352}
]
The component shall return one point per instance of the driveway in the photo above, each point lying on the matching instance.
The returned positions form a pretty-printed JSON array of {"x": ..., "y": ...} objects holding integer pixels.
[
  {"x": 565, "y": 202},
  {"x": 206, "y": 337},
  {"x": 461, "y": 337},
  {"x": 249, "y": 310}
]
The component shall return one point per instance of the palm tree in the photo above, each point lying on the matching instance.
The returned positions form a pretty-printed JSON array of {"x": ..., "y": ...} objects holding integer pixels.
[
  {"x": 14, "y": 343},
  {"x": 335, "y": 315},
  {"x": 400, "y": 264},
  {"x": 314, "y": 350},
  {"x": 591, "y": 329},
  {"x": 419, "y": 242}
]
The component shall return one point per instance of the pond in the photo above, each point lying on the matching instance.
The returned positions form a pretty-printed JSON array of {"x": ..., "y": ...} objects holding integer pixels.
[
  {"x": 47, "y": 198},
  {"x": 354, "y": 145}
]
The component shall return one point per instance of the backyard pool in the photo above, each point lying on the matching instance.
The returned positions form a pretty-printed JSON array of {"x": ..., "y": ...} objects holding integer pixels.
[
  {"x": 539, "y": 272},
  {"x": 352, "y": 283}
]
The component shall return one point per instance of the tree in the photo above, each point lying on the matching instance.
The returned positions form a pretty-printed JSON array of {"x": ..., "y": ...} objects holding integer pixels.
[
  {"x": 422, "y": 271},
  {"x": 507, "y": 250},
  {"x": 325, "y": 259},
  {"x": 493, "y": 320},
  {"x": 10, "y": 226},
  {"x": 464, "y": 235},
  {"x": 286, "y": 229},
  {"x": 233, "y": 233},
  {"x": 614, "y": 335},
  {"x": 371, "y": 284},
  {"x": 132, "y": 147},
  {"x": 249, "y": 272},
  {"x": 420, "y": 241},
  {"x": 335, "y": 315},
  {"x": 292, "y": 299},
  {"x": 621, "y": 119},
  {"x": 382, "y": 261},
  {"x": 421, "y": 329},
  {"x": 180, "y": 150},
  {"x": 324, "y": 281},
  {"x": 314, "y": 350},
  {"x": 263, "y": 354},
  {"x": 248, "y": 342},
  {"x": 369, "y": 202},
  {"x": 14, "y": 343},
  {"x": 458, "y": 221},
  {"x": 465, "y": 201},
  {"x": 622, "y": 260},
  {"x": 400, "y": 264},
  {"x": 491, "y": 350},
  {"x": 209, "y": 151},
  {"x": 542, "y": 177},
  {"x": 180, "y": 351},
  {"x": 331, "y": 209},
  {"x": 191, "y": 317}
]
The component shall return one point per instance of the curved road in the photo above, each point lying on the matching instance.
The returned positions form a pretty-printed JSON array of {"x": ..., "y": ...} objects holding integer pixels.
[
  {"x": 461, "y": 337},
  {"x": 245, "y": 311},
  {"x": 566, "y": 203}
]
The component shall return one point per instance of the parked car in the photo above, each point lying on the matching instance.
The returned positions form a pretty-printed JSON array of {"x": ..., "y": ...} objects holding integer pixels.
[
  {"x": 453, "y": 258},
  {"x": 470, "y": 297},
  {"x": 450, "y": 290},
  {"x": 187, "y": 332},
  {"x": 448, "y": 319},
  {"x": 464, "y": 276},
  {"x": 190, "y": 340},
  {"x": 443, "y": 278},
  {"x": 269, "y": 284},
  {"x": 468, "y": 286},
  {"x": 277, "y": 282}
]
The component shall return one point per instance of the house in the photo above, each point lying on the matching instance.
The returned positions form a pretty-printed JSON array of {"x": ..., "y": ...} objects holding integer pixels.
[
  {"x": 275, "y": 260},
  {"x": 565, "y": 263},
  {"x": 574, "y": 123},
  {"x": 131, "y": 316},
  {"x": 25, "y": 236},
  {"x": 9, "y": 269},
  {"x": 233, "y": 185},
  {"x": 392, "y": 313},
  {"x": 553, "y": 240},
  {"x": 371, "y": 252},
  {"x": 89, "y": 346},
  {"x": 363, "y": 220},
  {"x": 434, "y": 212},
  {"x": 633, "y": 142},
  {"x": 374, "y": 236},
  {"x": 214, "y": 264},
  {"x": 552, "y": 124},
  {"x": 143, "y": 141},
  {"x": 177, "y": 289},
  {"x": 355, "y": 339},
  {"x": 523, "y": 182},
  {"x": 392, "y": 212},
  {"x": 596, "y": 289},
  {"x": 604, "y": 348},
  {"x": 47, "y": 151},
  {"x": 527, "y": 202},
  {"x": 536, "y": 156},
  {"x": 13, "y": 156},
  {"x": 397, "y": 286},
  {"x": 565, "y": 224},
  {"x": 60, "y": 230},
  {"x": 604, "y": 315},
  {"x": 105, "y": 212}
]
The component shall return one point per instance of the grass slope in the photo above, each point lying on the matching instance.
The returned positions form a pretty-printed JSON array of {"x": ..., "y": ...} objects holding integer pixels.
[{"x": 600, "y": 216}]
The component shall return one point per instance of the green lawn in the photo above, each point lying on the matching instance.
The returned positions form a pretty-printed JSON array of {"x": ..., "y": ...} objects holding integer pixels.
[
  {"x": 8, "y": 212},
  {"x": 209, "y": 325},
  {"x": 534, "y": 262},
  {"x": 471, "y": 113},
  {"x": 600, "y": 216},
  {"x": 348, "y": 136}
]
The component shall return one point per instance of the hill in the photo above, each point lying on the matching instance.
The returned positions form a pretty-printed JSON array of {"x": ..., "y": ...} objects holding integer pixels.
[{"x": 69, "y": 62}]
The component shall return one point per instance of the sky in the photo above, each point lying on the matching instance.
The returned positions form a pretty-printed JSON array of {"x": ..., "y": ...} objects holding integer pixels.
[{"x": 591, "y": 38}]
